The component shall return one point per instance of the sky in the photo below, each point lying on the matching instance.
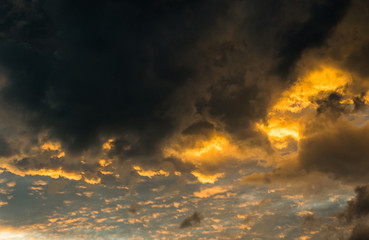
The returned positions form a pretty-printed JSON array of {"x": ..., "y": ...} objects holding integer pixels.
[{"x": 184, "y": 119}]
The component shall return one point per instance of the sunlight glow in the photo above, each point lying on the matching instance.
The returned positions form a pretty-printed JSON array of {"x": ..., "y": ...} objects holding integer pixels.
[
  {"x": 207, "y": 178},
  {"x": 200, "y": 151},
  {"x": 287, "y": 117},
  {"x": 9, "y": 236},
  {"x": 150, "y": 173}
]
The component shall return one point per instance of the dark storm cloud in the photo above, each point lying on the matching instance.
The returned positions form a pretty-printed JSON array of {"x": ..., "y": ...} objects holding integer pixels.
[
  {"x": 5, "y": 148},
  {"x": 114, "y": 65},
  {"x": 86, "y": 71},
  {"x": 323, "y": 19},
  {"x": 360, "y": 232},
  {"x": 341, "y": 151},
  {"x": 192, "y": 221},
  {"x": 355, "y": 212},
  {"x": 358, "y": 60},
  {"x": 27, "y": 22},
  {"x": 240, "y": 98},
  {"x": 359, "y": 206},
  {"x": 202, "y": 127},
  {"x": 252, "y": 101}
]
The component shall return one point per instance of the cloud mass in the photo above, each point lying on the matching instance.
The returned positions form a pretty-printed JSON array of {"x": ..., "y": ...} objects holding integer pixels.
[{"x": 184, "y": 119}]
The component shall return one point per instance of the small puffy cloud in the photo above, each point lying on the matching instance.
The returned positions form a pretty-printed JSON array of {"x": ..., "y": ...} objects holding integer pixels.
[
  {"x": 150, "y": 173},
  {"x": 208, "y": 192},
  {"x": 207, "y": 178},
  {"x": 192, "y": 221},
  {"x": 134, "y": 207},
  {"x": 40, "y": 182}
]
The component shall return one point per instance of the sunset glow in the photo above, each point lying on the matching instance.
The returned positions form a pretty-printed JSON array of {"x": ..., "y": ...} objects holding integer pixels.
[{"x": 188, "y": 120}]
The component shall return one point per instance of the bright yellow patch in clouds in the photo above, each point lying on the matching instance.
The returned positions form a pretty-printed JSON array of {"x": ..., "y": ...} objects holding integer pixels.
[
  {"x": 150, "y": 173},
  {"x": 208, "y": 192},
  {"x": 53, "y": 173},
  {"x": 200, "y": 151},
  {"x": 325, "y": 79},
  {"x": 53, "y": 146},
  {"x": 207, "y": 178},
  {"x": 108, "y": 144},
  {"x": 216, "y": 144},
  {"x": 92, "y": 180},
  {"x": 286, "y": 118},
  {"x": 104, "y": 163}
]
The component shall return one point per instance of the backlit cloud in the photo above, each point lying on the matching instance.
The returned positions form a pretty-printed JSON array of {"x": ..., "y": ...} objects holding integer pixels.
[{"x": 177, "y": 119}]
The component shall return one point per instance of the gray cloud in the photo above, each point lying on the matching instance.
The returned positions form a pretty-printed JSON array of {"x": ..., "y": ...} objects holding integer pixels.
[
  {"x": 359, "y": 206},
  {"x": 360, "y": 232},
  {"x": 191, "y": 221},
  {"x": 341, "y": 150},
  {"x": 112, "y": 74},
  {"x": 357, "y": 61},
  {"x": 355, "y": 214},
  {"x": 199, "y": 128},
  {"x": 134, "y": 207}
]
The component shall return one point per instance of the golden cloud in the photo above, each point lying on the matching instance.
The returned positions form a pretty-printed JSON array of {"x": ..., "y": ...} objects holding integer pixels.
[
  {"x": 150, "y": 173},
  {"x": 208, "y": 192},
  {"x": 207, "y": 178},
  {"x": 286, "y": 120}
]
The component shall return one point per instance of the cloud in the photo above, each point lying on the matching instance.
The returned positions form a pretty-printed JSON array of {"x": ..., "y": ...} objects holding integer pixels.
[
  {"x": 149, "y": 173},
  {"x": 46, "y": 165},
  {"x": 5, "y": 148},
  {"x": 356, "y": 61},
  {"x": 340, "y": 150},
  {"x": 207, "y": 192},
  {"x": 134, "y": 207},
  {"x": 84, "y": 91},
  {"x": 354, "y": 216},
  {"x": 357, "y": 207},
  {"x": 140, "y": 77},
  {"x": 360, "y": 232},
  {"x": 331, "y": 104},
  {"x": 199, "y": 128},
  {"x": 205, "y": 178},
  {"x": 312, "y": 33},
  {"x": 191, "y": 221},
  {"x": 173, "y": 101}
]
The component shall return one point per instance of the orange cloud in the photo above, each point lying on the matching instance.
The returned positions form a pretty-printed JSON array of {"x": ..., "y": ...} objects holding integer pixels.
[
  {"x": 208, "y": 192},
  {"x": 150, "y": 173},
  {"x": 108, "y": 144},
  {"x": 286, "y": 119},
  {"x": 53, "y": 173},
  {"x": 207, "y": 178},
  {"x": 92, "y": 180},
  {"x": 202, "y": 151},
  {"x": 53, "y": 146}
]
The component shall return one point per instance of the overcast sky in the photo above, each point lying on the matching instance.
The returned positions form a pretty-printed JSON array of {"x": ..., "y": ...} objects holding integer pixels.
[{"x": 184, "y": 119}]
